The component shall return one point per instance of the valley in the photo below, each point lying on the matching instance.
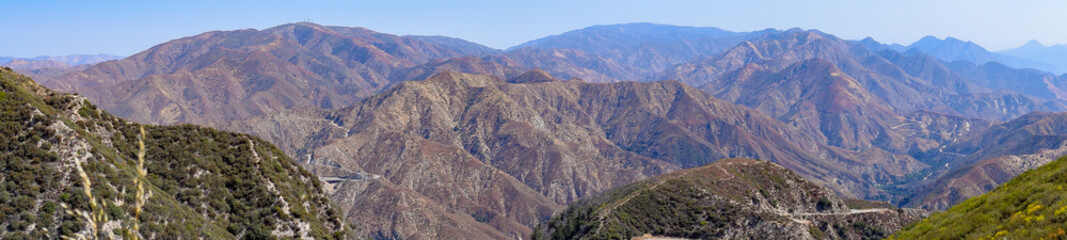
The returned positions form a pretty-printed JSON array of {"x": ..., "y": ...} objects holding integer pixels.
[{"x": 576, "y": 135}]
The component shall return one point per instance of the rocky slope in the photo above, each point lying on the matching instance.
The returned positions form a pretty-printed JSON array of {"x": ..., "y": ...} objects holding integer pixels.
[
  {"x": 892, "y": 109},
  {"x": 1030, "y": 206},
  {"x": 994, "y": 156},
  {"x": 728, "y": 199},
  {"x": 905, "y": 82},
  {"x": 872, "y": 124},
  {"x": 221, "y": 76},
  {"x": 551, "y": 141},
  {"x": 70, "y": 169}
]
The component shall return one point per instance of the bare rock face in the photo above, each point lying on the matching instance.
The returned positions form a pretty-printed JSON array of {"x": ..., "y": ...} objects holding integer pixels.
[{"x": 728, "y": 199}]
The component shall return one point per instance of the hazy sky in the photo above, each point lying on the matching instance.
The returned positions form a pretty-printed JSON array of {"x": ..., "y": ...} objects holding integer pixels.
[{"x": 50, "y": 27}]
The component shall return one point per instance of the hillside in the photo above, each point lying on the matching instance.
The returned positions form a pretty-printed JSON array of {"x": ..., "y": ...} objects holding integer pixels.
[
  {"x": 886, "y": 108},
  {"x": 70, "y": 169},
  {"x": 904, "y": 82},
  {"x": 646, "y": 48},
  {"x": 994, "y": 156},
  {"x": 221, "y": 76},
  {"x": 551, "y": 141},
  {"x": 1030, "y": 206},
  {"x": 859, "y": 118},
  {"x": 728, "y": 199}
]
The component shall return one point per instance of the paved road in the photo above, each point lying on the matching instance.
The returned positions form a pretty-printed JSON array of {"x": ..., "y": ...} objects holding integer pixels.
[
  {"x": 850, "y": 212},
  {"x": 348, "y": 178}
]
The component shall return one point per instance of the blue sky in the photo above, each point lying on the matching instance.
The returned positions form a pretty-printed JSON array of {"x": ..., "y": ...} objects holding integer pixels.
[{"x": 50, "y": 27}]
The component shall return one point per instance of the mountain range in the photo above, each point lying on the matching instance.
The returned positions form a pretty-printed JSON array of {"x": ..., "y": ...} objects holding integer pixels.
[
  {"x": 72, "y": 60},
  {"x": 1056, "y": 55},
  {"x": 448, "y": 138},
  {"x": 46, "y": 67},
  {"x": 951, "y": 49}
]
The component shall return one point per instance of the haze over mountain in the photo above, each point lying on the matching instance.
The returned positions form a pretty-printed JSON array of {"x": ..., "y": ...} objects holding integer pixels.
[
  {"x": 73, "y": 60},
  {"x": 951, "y": 49},
  {"x": 48, "y": 67},
  {"x": 1055, "y": 54},
  {"x": 644, "y": 47}
]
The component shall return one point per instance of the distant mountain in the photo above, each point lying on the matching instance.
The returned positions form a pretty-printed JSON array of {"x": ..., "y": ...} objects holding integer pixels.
[
  {"x": 644, "y": 47},
  {"x": 728, "y": 199},
  {"x": 223, "y": 76},
  {"x": 1030, "y": 206},
  {"x": 607, "y": 38},
  {"x": 951, "y": 49},
  {"x": 22, "y": 64},
  {"x": 572, "y": 63},
  {"x": 1056, "y": 55},
  {"x": 994, "y": 75},
  {"x": 879, "y": 109},
  {"x": 72, "y": 60},
  {"x": 457, "y": 44},
  {"x": 79, "y": 59},
  {"x": 44, "y": 68},
  {"x": 71, "y": 170}
]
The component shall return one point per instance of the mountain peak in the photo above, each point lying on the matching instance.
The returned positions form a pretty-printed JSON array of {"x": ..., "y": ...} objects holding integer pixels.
[
  {"x": 306, "y": 24},
  {"x": 452, "y": 78},
  {"x": 794, "y": 30},
  {"x": 534, "y": 76},
  {"x": 1034, "y": 44},
  {"x": 929, "y": 38},
  {"x": 952, "y": 39}
]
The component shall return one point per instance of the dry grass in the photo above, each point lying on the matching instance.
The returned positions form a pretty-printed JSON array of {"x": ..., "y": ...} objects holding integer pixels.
[
  {"x": 96, "y": 216},
  {"x": 134, "y": 231}
]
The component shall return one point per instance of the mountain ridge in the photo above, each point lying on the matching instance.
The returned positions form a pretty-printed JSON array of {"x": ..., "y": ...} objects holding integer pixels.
[{"x": 731, "y": 198}]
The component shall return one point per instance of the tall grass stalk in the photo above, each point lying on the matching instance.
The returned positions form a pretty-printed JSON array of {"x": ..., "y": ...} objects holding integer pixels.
[
  {"x": 134, "y": 232},
  {"x": 97, "y": 216}
]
